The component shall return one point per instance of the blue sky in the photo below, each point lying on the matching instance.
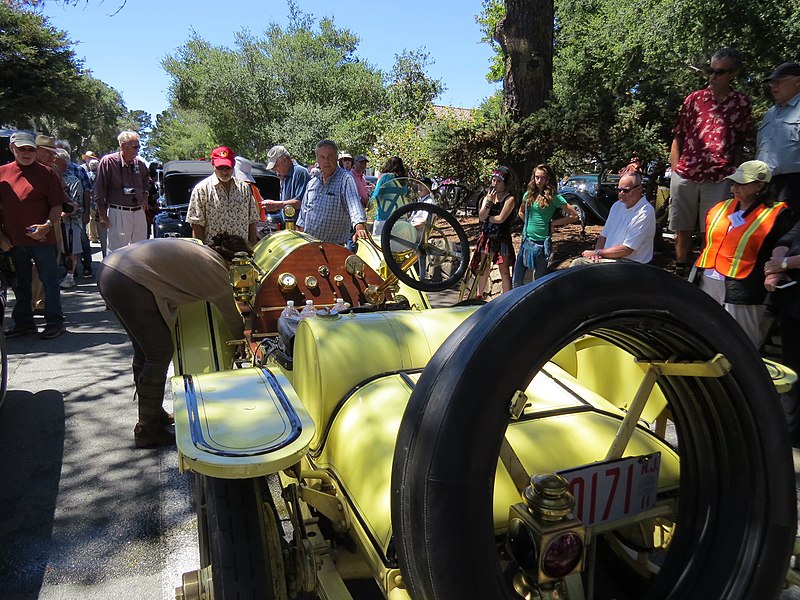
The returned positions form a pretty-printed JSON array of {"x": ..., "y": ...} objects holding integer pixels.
[{"x": 125, "y": 50}]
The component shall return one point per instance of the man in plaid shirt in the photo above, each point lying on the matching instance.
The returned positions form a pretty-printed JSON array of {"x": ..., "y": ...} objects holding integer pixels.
[{"x": 331, "y": 208}]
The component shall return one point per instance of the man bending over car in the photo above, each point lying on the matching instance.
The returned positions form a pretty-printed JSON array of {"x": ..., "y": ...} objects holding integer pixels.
[{"x": 144, "y": 291}]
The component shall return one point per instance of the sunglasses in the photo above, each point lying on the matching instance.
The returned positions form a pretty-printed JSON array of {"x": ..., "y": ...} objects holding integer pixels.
[
  {"x": 710, "y": 71},
  {"x": 223, "y": 168},
  {"x": 625, "y": 190}
]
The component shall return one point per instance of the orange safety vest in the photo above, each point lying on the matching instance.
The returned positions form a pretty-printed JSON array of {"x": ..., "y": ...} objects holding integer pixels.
[{"x": 733, "y": 251}]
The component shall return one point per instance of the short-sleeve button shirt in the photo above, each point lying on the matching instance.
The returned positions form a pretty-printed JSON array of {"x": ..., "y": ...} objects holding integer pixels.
[
  {"x": 329, "y": 211},
  {"x": 779, "y": 138},
  {"x": 221, "y": 211},
  {"x": 711, "y": 133}
]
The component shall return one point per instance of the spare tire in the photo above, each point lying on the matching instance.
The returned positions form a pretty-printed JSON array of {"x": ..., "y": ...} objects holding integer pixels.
[{"x": 737, "y": 515}]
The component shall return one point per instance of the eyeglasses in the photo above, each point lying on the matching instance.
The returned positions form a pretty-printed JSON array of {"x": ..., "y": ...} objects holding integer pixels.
[
  {"x": 710, "y": 71},
  {"x": 223, "y": 168},
  {"x": 625, "y": 190},
  {"x": 131, "y": 145}
]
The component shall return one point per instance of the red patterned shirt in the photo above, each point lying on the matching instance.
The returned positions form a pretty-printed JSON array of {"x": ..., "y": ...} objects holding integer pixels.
[{"x": 711, "y": 132}]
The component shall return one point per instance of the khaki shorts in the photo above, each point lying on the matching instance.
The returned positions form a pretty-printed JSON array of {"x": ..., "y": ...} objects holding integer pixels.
[{"x": 689, "y": 202}]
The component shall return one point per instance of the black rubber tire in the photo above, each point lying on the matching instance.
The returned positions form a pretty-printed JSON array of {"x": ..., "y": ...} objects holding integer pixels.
[
  {"x": 424, "y": 284},
  {"x": 737, "y": 514},
  {"x": 203, "y": 538},
  {"x": 3, "y": 366},
  {"x": 239, "y": 563},
  {"x": 790, "y": 401}
]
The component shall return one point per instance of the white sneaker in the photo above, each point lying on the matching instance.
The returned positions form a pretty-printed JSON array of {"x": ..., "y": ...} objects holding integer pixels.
[{"x": 68, "y": 281}]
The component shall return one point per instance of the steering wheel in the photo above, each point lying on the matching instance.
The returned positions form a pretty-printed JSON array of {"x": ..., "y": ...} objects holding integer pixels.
[{"x": 441, "y": 262}]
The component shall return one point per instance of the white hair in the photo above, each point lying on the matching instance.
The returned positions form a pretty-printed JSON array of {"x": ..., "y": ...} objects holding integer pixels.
[{"x": 127, "y": 136}]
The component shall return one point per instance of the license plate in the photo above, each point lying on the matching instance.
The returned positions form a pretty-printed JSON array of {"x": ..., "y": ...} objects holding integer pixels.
[{"x": 615, "y": 489}]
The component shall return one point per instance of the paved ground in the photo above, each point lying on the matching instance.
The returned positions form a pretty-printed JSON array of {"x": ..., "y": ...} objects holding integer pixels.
[{"x": 84, "y": 515}]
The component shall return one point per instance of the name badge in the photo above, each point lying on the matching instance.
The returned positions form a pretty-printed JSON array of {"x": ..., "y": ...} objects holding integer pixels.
[{"x": 736, "y": 219}]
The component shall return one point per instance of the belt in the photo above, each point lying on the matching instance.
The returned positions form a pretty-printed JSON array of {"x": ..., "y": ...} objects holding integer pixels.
[{"x": 131, "y": 208}]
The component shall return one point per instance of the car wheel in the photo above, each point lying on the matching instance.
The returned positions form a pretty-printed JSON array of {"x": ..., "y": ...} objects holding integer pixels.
[
  {"x": 441, "y": 263},
  {"x": 730, "y": 433},
  {"x": 204, "y": 542},
  {"x": 3, "y": 366},
  {"x": 581, "y": 212},
  {"x": 791, "y": 408},
  {"x": 240, "y": 529}
]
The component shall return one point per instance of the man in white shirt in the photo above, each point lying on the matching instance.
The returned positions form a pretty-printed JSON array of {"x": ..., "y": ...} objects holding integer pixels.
[{"x": 629, "y": 230}]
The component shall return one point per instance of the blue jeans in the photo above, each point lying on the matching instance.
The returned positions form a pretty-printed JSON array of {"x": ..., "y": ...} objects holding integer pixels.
[
  {"x": 47, "y": 267},
  {"x": 539, "y": 262}
]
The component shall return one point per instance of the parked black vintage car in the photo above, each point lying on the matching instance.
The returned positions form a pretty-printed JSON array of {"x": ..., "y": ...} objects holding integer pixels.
[
  {"x": 180, "y": 177},
  {"x": 592, "y": 196}
]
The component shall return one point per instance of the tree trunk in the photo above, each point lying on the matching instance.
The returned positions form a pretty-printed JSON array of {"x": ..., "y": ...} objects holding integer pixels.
[{"x": 526, "y": 37}]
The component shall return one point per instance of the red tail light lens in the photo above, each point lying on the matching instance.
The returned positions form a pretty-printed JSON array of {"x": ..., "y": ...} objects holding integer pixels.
[{"x": 562, "y": 555}]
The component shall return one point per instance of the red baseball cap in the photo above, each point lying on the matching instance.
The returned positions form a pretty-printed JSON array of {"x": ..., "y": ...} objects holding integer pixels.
[{"x": 222, "y": 156}]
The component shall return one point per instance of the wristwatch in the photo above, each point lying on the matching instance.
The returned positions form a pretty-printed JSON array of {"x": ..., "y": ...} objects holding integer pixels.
[{"x": 785, "y": 264}]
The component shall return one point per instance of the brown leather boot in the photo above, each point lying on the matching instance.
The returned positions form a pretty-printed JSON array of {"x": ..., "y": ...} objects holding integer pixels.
[
  {"x": 167, "y": 418},
  {"x": 152, "y": 437}
]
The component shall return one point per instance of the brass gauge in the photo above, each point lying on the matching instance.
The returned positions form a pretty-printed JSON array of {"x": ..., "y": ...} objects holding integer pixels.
[
  {"x": 374, "y": 295},
  {"x": 287, "y": 282},
  {"x": 289, "y": 211},
  {"x": 338, "y": 279},
  {"x": 311, "y": 282}
]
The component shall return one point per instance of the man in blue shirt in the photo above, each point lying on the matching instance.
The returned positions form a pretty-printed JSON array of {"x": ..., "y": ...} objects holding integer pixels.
[
  {"x": 294, "y": 179},
  {"x": 331, "y": 208},
  {"x": 778, "y": 142}
]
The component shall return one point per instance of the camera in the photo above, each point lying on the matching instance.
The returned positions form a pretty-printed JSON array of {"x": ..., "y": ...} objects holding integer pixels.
[{"x": 129, "y": 191}]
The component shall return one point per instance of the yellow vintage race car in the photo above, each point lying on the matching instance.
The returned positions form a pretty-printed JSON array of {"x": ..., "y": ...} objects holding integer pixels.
[{"x": 606, "y": 432}]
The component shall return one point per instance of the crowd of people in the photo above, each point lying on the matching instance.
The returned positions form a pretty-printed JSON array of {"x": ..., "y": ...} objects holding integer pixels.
[{"x": 747, "y": 212}]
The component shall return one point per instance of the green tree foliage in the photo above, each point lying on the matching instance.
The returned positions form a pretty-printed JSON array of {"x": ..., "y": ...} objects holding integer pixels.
[
  {"x": 619, "y": 94},
  {"x": 41, "y": 75},
  {"x": 94, "y": 124},
  {"x": 403, "y": 129},
  {"x": 461, "y": 149},
  {"x": 45, "y": 87},
  {"x": 488, "y": 19},
  {"x": 622, "y": 69},
  {"x": 293, "y": 86},
  {"x": 180, "y": 134},
  {"x": 411, "y": 91}
]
